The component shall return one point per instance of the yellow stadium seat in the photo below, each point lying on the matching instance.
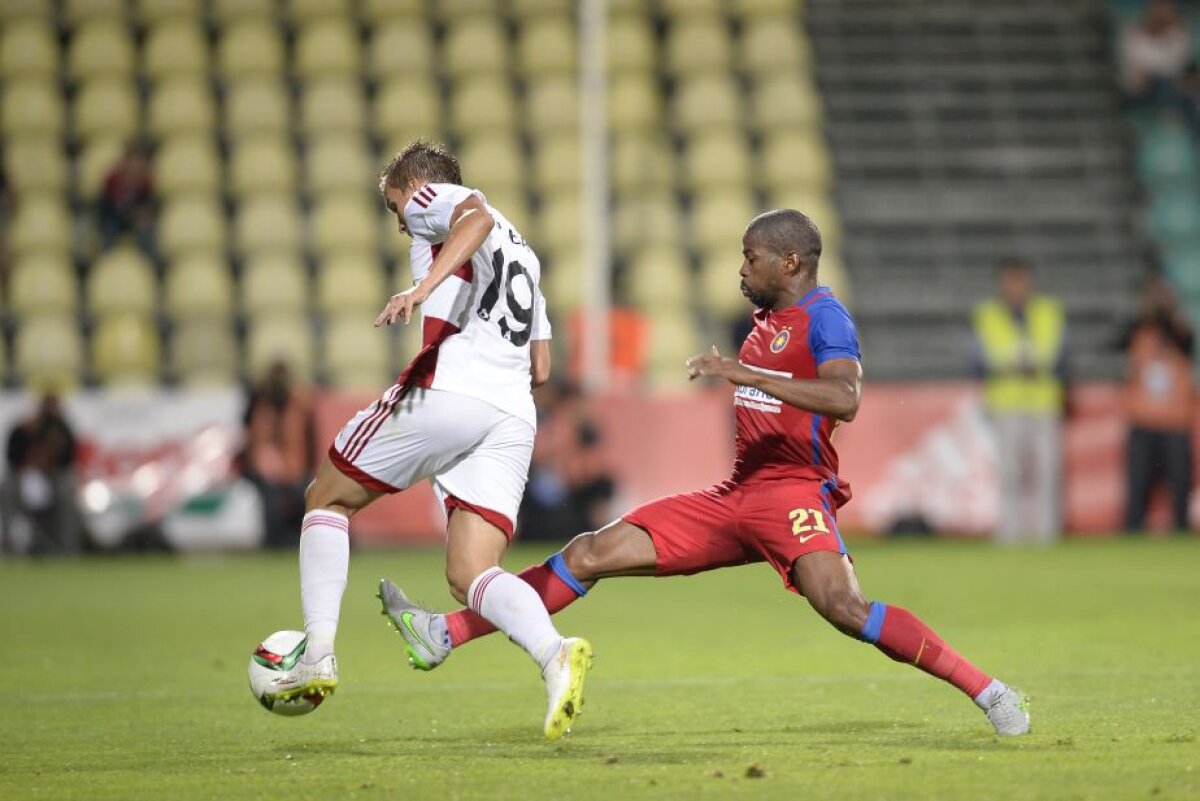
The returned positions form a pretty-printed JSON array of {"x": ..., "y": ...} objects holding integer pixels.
[
  {"x": 41, "y": 222},
  {"x": 400, "y": 51},
  {"x": 179, "y": 106},
  {"x": 250, "y": 48},
  {"x": 817, "y": 204},
  {"x": 559, "y": 222},
  {"x": 189, "y": 223},
  {"x": 175, "y": 47},
  {"x": 187, "y": 163},
  {"x": 77, "y": 12},
  {"x": 629, "y": 44},
  {"x": 707, "y": 102},
  {"x": 333, "y": 105},
  {"x": 351, "y": 282},
  {"x": 752, "y": 8},
  {"x": 342, "y": 222},
  {"x": 257, "y": 106},
  {"x": 327, "y": 47},
  {"x": 338, "y": 162},
  {"x": 273, "y": 283},
  {"x": 785, "y": 101},
  {"x": 552, "y": 104},
  {"x": 32, "y": 107},
  {"x": 262, "y": 164},
  {"x": 94, "y": 162},
  {"x": 484, "y": 105},
  {"x": 22, "y": 10},
  {"x": 280, "y": 336},
  {"x": 238, "y": 11},
  {"x": 199, "y": 285},
  {"x": 773, "y": 44},
  {"x": 717, "y": 159},
  {"x": 106, "y": 108},
  {"x": 634, "y": 103},
  {"x": 647, "y": 218},
  {"x": 407, "y": 108},
  {"x": 674, "y": 339},
  {"x": 355, "y": 353},
  {"x": 28, "y": 49},
  {"x": 475, "y": 45},
  {"x": 642, "y": 162},
  {"x": 121, "y": 280},
  {"x": 101, "y": 48},
  {"x": 492, "y": 161},
  {"x": 452, "y": 10},
  {"x": 48, "y": 353},
  {"x": 125, "y": 350},
  {"x": 562, "y": 281},
  {"x": 658, "y": 276},
  {"x": 681, "y": 9},
  {"x": 719, "y": 218},
  {"x": 302, "y": 11},
  {"x": 795, "y": 159},
  {"x": 698, "y": 44},
  {"x": 35, "y": 164},
  {"x": 557, "y": 163},
  {"x": 387, "y": 11},
  {"x": 719, "y": 283},
  {"x": 267, "y": 223},
  {"x": 152, "y": 12},
  {"x": 547, "y": 45},
  {"x": 43, "y": 283},
  {"x": 203, "y": 353},
  {"x": 526, "y": 9}
]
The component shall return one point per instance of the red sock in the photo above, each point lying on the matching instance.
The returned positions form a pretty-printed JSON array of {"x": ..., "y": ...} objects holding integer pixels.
[
  {"x": 905, "y": 638},
  {"x": 465, "y": 625}
]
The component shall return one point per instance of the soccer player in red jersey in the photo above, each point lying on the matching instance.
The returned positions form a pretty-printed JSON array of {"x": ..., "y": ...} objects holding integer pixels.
[{"x": 796, "y": 379}]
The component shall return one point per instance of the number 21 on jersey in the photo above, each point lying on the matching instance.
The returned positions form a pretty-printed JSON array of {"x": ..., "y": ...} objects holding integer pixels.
[{"x": 808, "y": 523}]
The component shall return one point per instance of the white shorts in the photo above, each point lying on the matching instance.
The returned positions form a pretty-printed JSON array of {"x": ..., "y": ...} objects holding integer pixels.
[{"x": 476, "y": 455}]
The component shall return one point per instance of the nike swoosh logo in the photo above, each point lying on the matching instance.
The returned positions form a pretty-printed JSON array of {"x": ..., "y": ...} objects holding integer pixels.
[
  {"x": 805, "y": 538},
  {"x": 406, "y": 619}
]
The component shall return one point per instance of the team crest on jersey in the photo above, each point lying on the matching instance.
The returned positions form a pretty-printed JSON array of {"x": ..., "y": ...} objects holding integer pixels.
[{"x": 781, "y": 340}]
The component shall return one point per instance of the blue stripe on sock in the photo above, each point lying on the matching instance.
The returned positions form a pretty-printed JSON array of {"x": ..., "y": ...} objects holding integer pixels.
[
  {"x": 559, "y": 566},
  {"x": 874, "y": 626}
]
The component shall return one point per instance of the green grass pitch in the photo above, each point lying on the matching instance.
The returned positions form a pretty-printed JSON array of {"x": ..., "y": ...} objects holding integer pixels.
[{"x": 124, "y": 678}]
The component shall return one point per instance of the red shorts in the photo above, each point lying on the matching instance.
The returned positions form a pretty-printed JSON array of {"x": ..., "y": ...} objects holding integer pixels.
[{"x": 736, "y": 524}]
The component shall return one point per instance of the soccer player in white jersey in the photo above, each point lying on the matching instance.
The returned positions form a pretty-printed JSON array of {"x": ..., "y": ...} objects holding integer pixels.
[{"x": 461, "y": 414}]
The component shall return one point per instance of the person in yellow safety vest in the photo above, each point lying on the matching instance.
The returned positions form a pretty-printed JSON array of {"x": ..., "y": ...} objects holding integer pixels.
[{"x": 1020, "y": 347}]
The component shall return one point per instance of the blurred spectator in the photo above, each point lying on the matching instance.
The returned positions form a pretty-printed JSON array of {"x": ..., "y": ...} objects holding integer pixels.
[
  {"x": 1160, "y": 402},
  {"x": 1020, "y": 355},
  {"x": 37, "y": 496},
  {"x": 277, "y": 460},
  {"x": 126, "y": 204},
  {"x": 1155, "y": 54}
]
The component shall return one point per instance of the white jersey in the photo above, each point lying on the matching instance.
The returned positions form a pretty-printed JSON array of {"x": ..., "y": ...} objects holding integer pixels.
[{"x": 477, "y": 325}]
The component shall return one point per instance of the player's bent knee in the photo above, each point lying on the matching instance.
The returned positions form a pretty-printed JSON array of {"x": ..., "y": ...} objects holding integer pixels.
[
  {"x": 581, "y": 557},
  {"x": 848, "y": 613}
]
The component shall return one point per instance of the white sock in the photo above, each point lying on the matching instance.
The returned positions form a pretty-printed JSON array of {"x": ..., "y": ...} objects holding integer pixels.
[
  {"x": 512, "y": 606},
  {"x": 324, "y": 566},
  {"x": 985, "y": 698}
]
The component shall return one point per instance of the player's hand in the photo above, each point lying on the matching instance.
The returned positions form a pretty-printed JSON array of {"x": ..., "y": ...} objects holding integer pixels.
[
  {"x": 714, "y": 364},
  {"x": 401, "y": 306}
]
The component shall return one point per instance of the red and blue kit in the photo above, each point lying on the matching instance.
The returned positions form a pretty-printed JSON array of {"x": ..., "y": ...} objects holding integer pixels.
[{"x": 782, "y": 498}]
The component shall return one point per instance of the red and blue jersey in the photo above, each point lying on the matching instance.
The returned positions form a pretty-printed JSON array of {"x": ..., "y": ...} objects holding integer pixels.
[{"x": 775, "y": 440}]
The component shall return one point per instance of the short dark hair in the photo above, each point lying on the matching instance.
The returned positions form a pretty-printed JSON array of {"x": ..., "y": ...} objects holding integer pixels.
[
  {"x": 789, "y": 231},
  {"x": 426, "y": 161},
  {"x": 1013, "y": 264}
]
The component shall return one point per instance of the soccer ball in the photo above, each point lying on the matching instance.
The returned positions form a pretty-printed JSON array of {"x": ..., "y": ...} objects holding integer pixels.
[{"x": 276, "y": 654}]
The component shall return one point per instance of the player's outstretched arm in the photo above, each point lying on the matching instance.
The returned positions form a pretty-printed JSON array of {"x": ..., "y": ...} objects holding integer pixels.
[{"x": 836, "y": 391}]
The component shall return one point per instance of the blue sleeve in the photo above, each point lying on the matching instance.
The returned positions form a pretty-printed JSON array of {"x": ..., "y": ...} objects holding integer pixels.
[{"x": 831, "y": 333}]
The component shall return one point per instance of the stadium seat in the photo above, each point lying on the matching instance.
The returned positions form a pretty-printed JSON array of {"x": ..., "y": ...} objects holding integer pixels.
[
  {"x": 559, "y": 223},
  {"x": 191, "y": 222},
  {"x": 706, "y": 102},
  {"x": 795, "y": 159},
  {"x": 180, "y": 106},
  {"x": 557, "y": 163},
  {"x": 773, "y": 44},
  {"x": 28, "y": 49},
  {"x": 101, "y": 48},
  {"x": 629, "y": 45},
  {"x": 634, "y": 104},
  {"x": 493, "y": 162},
  {"x": 78, "y": 12},
  {"x": 475, "y": 45},
  {"x": 125, "y": 351},
  {"x": 336, "y": 163},
  {"x": 35, "y": 165},
  {"x": 261, "y": 164},
  {"x": 342, "y": 222},
  {"x": 106, "y": 108},
  {"x": 42, "y": 283},
  {"x": 199, "y": 285},
  {"x": 748, "y": 9},
  {"x": 187, "y": 163},
  {"x": 48, "y": 353},
  {"x": 532, "y": 9},
  {"x": 719, "y": 217},
  {"x": 562, "y": 281},
  {"x": 405, "y": 109},
  {"x": 32, "y": 107},
  {"x": 1167, "y": 154},
  {"x": 642, "y": 162},
  {"x": 647, "y": 218},
  {"x": 175, "y": 48},
  {"x": 784, "y": 101},
  {"x": 698, "y": 44},
  {"x": 203, "y": 354},
  {"x": 327, "y": 47},
  {"x": 483, "y": 104},
  {"x": 250, "y": 48},
  {"x": 815, "y": 203},
  {"x": 280, "y": 336},
  {"x": 552, "y": 104},
  {"x": 93, "y": 164},
  {"x": 352, "y": 282},
  {"x": 547, "y": 45},
  {"x": 267, "y": 224},
  {"x": 153, "y": 12},
  {"x": 715, "y": 160},
  {"x": 40, "y": 222},
  {"x": 355, "y": 353},
  {"x": 676, "y": 10},
  {"x": 452, "y": 10},
  {"x": 257, "y": 106},
  {"x": 121, "y": 280},
  {"x": 1175, "y": 215},
  {"x": 658, "y": 277},
  {"x": 332, "y": 105},
  {"x": 226, "y": 12},
  {"x": 673, "y": 339},
  {"x": 24, "y": 10},
  {"x": 719, "y": 283},
  {"x": 388, "y": 11},
  {"x": 400, "y": 51},
  {"x": 274, "y": 282},
  {"x": 303, "y": 11}
]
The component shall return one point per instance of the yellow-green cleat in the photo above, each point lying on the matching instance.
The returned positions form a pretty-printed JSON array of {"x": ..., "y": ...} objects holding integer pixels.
[
  {"x": 412, "y": 623},
  {"x": 564, "y": 677}
]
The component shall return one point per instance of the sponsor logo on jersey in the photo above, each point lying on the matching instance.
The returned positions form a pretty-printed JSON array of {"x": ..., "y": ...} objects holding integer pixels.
[
  {"x": 756, "y": 399},
  {"x": 781, "y": 340}
]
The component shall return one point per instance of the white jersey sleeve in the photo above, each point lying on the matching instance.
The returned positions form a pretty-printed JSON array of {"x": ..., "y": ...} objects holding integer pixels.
[
  {"x": 541, "y": 323},
  {"x": 428, "y": 213}
]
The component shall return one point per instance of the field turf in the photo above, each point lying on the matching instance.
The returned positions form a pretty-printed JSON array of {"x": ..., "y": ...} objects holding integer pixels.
[{"x": 124, "y": 678}]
